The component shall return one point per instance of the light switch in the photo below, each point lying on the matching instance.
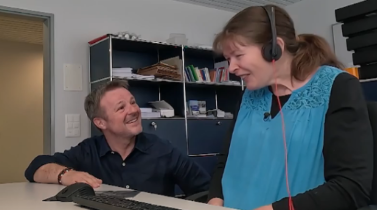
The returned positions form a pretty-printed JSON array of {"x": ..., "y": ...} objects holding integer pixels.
[
  {"x": 72, "y": 125},
  {"x": 72, "y": 77}
]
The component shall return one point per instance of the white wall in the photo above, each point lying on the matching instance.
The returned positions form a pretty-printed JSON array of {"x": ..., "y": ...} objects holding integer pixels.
[
  {"x": 316, "y": 16},
  {"x": 79, "y": 21}
]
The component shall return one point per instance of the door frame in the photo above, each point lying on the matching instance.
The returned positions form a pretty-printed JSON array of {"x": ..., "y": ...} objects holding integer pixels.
[{"x": 48, "y": 74}]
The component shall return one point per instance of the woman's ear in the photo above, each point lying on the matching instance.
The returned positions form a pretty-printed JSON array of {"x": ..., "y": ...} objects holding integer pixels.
[{"x": 281, "y": 43}]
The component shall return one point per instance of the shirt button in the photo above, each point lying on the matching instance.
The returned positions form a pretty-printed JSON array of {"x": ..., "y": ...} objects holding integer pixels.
[
  {"x": 123, "y": 164},
  {"x": 112, "y": 152},
  {"x": 127, "y": 186}
]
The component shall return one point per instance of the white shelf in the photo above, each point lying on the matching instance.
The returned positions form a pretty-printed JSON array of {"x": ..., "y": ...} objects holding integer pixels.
[
  {"x": 171, "y": 81},
  {"x": 368, "y": 80}
]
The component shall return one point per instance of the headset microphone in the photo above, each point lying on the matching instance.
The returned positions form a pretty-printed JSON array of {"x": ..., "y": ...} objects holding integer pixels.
[{"x": 266, "y": 115}]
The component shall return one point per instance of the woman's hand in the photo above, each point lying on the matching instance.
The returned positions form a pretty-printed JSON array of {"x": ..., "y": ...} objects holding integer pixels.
[
  {"x": 216, "y": 202},
  {"x": 268, "y": 207}
]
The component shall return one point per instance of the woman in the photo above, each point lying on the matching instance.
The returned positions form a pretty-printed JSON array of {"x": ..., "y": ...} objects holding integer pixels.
[{"x": 301, "y": 113}]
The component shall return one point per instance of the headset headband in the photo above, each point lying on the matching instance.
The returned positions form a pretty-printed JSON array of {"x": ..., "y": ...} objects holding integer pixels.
[{"x": 271, "y": 16}]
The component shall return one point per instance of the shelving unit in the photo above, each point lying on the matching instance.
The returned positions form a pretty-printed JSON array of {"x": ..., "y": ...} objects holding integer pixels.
[{"x": 199, "y": 138}]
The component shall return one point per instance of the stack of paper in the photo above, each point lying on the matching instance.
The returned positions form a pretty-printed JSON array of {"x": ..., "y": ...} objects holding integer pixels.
[
  {"x": 149, "y": 113},
  {"x": 127, "y": 73},
  {"x": 122, "y": 72}
]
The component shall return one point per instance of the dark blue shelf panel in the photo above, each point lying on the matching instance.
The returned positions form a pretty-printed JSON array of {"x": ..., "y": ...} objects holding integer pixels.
[
  {"x": 140, "y": 46},
  {"x": 144, "y": 93},
  {"x": 100, "y": 60},
  {"x": 202, "y": 93},
  {"x": 206, "y": 136},
  {"x": 199, "y": 62},
  {"x": 227, "y": 98},
  {"x": 172, "y": 93},
  {"x": 370, "y": 90},
  {"x": 201, "y": 58},
  {"x": 137, "y": 55},
  {"x": 208, "y": 163},
  {"x": 172, "y": 130},
  {"x": 137, "y": 60},
  {"x": 134, "y": 60}
]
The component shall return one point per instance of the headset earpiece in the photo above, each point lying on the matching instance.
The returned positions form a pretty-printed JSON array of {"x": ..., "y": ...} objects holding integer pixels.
[
  {"x": 268, "y": 54},
  {"x": 271, "y": 50}
]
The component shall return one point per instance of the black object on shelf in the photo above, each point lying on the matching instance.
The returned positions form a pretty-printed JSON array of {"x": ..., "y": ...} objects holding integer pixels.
[
  {"x": 368, "y": 71},
  {"x": 355, "y": 11},
  {"x": 359, "y": 24}
]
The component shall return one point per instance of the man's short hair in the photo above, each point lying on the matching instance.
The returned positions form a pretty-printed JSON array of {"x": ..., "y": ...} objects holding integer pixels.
[{"x": 93, "y": 99}]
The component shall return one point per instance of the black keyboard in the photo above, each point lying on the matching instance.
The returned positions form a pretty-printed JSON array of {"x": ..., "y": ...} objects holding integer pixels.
[{"x": 106, "y": 202}]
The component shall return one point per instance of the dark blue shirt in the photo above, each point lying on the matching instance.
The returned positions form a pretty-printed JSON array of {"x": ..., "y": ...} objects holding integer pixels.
[{"x": 153, "y": 166}]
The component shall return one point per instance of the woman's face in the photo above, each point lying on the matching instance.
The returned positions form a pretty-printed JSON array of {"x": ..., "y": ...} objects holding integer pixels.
[{"x": 247, "y": 62}]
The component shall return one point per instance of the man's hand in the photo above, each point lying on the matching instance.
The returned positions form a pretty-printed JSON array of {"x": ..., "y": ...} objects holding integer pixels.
[
  {"x": 72, "y": 177},
  {"x": 268, "y": 207},
  {"x": 216, "y": 202}
]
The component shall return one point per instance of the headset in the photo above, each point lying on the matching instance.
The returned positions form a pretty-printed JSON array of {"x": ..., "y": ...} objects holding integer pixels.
[{"x": 272, "y": 52}]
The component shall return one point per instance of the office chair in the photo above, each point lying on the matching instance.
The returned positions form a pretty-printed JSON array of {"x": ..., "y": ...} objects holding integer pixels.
[{"x": 202, "y": 197}]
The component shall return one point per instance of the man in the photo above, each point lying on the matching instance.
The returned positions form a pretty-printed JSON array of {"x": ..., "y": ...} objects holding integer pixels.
[{"x": 123, "y": 156}]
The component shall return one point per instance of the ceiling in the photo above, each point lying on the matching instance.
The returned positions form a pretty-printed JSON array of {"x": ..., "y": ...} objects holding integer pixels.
[
  {"x": 19, "y": 28},
  {"x": 237, "y": 5}
]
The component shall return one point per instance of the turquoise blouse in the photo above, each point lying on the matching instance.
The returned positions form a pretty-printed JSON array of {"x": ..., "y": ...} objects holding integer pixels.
[{"x": 254, "y": 175}]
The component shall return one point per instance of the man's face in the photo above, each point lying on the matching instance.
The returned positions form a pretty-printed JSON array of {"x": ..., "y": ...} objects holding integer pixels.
[{"x": 122, "y": 114}]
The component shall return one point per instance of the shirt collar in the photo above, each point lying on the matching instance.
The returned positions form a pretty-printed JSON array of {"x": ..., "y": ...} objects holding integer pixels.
[{"x": 142, "y": 144}]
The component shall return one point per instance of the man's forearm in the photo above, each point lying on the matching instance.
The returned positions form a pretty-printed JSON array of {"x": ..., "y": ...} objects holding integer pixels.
[{"x": 48, "y": 173}]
